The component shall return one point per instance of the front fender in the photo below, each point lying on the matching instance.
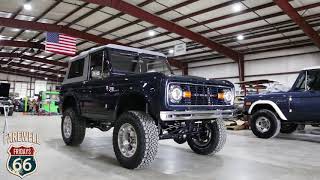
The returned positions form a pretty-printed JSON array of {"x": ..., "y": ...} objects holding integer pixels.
[
  {"x": 268, "y": 102},
  {"x": 72, "y": 95}
]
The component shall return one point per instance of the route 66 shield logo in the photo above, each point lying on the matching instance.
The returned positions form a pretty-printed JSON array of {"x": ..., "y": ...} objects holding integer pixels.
[{"x": 21, "y": 161}]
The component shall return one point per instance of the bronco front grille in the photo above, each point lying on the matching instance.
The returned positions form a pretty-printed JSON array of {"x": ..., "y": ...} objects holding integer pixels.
[{"x": 201, "y": 95}]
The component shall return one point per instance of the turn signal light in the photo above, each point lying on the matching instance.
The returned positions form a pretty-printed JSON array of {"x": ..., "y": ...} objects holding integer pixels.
[
  {"x": 248, "y": 104},
  {"x": 221, "y": 96},
  {"x": 187, "y": 94}
]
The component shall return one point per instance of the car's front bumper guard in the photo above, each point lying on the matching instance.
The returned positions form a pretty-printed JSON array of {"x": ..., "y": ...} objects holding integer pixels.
[{"x": 195, "y": 115}]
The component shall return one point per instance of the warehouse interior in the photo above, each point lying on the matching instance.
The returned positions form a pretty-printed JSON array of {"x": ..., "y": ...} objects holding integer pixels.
[{"x": 241, "y": 41}]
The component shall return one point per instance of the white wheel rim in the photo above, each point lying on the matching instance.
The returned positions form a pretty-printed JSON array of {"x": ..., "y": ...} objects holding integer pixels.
[
  {"x": 127, "y": 140},
  {"x": 67, "y": 127},
  {"x": 263, "y": 124}
]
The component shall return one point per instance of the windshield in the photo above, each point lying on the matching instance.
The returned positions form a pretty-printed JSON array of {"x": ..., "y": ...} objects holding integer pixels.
[{"x": 126, "y": 61}]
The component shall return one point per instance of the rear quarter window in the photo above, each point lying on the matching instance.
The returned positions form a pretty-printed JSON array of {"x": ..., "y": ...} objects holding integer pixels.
[{"x": 76, "y": 69}]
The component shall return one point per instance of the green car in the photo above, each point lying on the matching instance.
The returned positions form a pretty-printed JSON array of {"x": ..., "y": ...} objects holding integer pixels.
[{"x": 49, "y": 101}]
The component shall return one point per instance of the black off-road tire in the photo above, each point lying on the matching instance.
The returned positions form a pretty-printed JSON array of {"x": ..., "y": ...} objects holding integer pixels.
[
  {"x": 275, "y": 124},
  {"x": 78, "y": 128},
  {"x": 216, "y": 143},
  {"x": 288, "y": 128},
  {"x": 147, "y": 139}
]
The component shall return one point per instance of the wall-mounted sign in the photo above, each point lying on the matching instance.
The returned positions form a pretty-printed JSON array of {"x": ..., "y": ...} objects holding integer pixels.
[{"x": 180, "y": 49}]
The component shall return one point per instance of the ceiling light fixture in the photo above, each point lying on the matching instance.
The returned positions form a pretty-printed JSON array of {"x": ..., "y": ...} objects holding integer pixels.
[
  {"x": 59, "y": 75},
  {"x": 236, "y": 7},
  {"x": 32, "y": 70},
  {"x": 151, "y": 33},
  {"x": 240, "y": 37},
  {"x": 27, "y": 6},
  {"x": 46, "y": 78},
  {"x": 170, "y": 51}
]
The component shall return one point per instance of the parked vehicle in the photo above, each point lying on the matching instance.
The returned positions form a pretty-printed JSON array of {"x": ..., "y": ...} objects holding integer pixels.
[
  {"x": 4, "y": 98},
  {"x": 135, "y": 91},
  {"x": 273, "y": 113}
]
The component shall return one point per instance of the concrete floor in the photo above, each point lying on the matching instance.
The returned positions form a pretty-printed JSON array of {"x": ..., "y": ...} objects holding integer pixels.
[{"x": 244, "y": 156}]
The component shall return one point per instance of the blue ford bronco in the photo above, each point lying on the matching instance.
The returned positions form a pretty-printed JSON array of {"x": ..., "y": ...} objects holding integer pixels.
[
  {"x": 273, "y": 113},
  {"x": 135, "y": 92}
]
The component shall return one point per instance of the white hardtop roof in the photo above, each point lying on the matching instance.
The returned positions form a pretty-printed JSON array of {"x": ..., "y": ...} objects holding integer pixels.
[
  {"x": 311, "y": 68},
  {"x": 115, "y": 46}
]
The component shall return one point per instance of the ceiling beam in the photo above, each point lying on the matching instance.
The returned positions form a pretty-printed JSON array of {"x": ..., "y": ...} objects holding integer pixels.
[
  {"x": 36, "y": 68},
  {"x": 55, "y": 4},
  {"x": 37, "y": 26},
  {"x": 203, "y": 11},
  {"x": 295, "y": 16},
  {"x": 32, "y": 58},
  {"x": 29, "y": 74},
  {"x": 27, "y": 44},
  {"x": 254, "y": 36},
  {"x": 15, "y": 23},
  {"x": 177, "y": 6},
  {"x": 248, "y": 21},
  {"x": 168, "y": 25},
  {"x": 250, "y": 33},
  {"x": 266, "y": 48},
  {"x": 37, "y": 45},
  {"x": 197, "y": 24},
  {"x": 250, "y": 44},
  {"x": 114, "y": 17}
]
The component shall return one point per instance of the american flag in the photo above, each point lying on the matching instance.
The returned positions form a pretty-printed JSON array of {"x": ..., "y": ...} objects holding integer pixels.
[{"x": 60, "y": 43}]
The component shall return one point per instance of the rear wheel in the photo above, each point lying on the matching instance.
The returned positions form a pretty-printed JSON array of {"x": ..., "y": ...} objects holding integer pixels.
[
  {"x": 288, "y": 128},
  {"x": 135, "y": 139},
  {"x": 73, "y": 128},
  {"x": 210, "y": 139},
  {"x": 265, "y": 124}
]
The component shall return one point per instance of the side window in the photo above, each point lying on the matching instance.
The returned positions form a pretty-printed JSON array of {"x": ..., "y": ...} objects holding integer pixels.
[
  {"x": 300, "y": 85},
  {"x": 313, "y": 81},
  {"x": 76, "y": 69},
  {"x": 124, "y": 61},
  {"x": 98, "y": 69}
]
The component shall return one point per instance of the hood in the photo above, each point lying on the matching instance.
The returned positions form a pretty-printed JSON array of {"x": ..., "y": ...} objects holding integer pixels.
[
  {"x": 266, "y": 96},
  {"x": 198, "y": 80},
  {"x": 176, "y": 78},
  {"x": 148, "y": 75}
]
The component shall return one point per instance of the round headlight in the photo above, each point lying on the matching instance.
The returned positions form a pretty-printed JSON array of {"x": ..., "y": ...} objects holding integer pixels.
[
  {"x": 175, "y": 94},
  {"x": 228, "y": 96}
]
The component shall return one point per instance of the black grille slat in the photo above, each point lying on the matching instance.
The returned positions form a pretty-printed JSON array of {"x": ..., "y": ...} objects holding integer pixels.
[{"x": 202, "y": 95}]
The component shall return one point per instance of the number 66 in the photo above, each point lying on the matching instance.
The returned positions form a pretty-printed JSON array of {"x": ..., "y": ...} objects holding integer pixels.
[{"x": 26, "y": 166}]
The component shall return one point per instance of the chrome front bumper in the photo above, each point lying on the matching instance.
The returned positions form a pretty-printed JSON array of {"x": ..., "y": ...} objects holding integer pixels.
[{"x": 195, "y": 115}]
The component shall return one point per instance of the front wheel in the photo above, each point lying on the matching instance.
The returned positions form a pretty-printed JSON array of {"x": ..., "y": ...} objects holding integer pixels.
[
  {"x": 73, "y": 128},
  {"x": 210, "y": 139},
  {"x": 135, "y": 139},
  {"x": 265, "y": 124}
]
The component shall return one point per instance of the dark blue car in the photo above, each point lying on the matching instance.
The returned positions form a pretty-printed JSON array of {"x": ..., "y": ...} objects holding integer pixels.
[
  {"x": 135, "y": 92},
  {"x": 282, "y": 112}
]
